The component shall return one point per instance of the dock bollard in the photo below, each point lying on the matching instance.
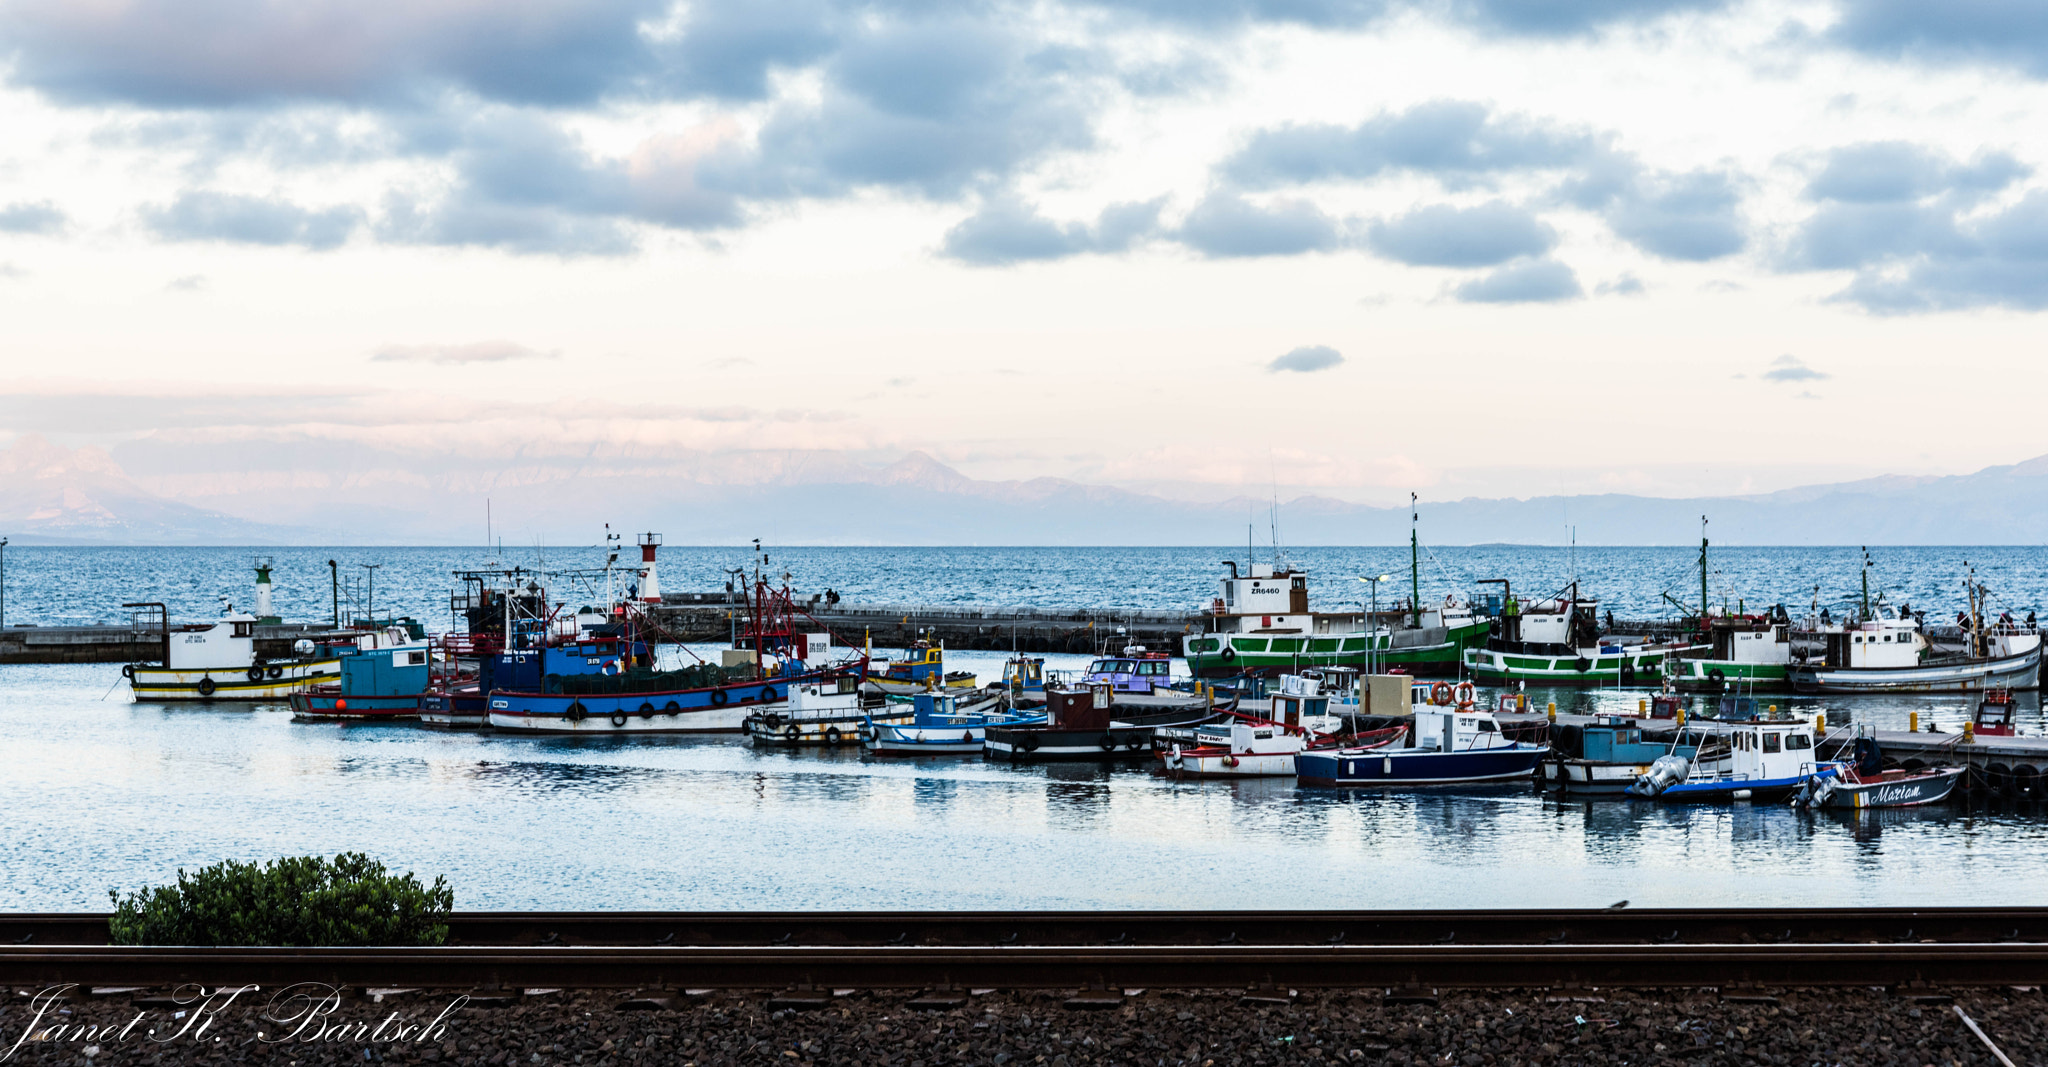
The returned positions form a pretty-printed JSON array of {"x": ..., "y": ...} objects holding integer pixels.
[
  {"x": 1521, "y": 702},
  {"x": 1913, "y": 722},
  {"x": 1681, "y": 718},
  {"x": 1553, "y": 711},
  {"x": 1773, "y": 710},
  {"x": 1642, "y": 707},
  {"x": 1820, "y": 724},
  {"x": 1969, "y": 732}
]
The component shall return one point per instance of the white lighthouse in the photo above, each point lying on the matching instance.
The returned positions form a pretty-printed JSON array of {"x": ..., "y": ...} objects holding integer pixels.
[
  {"x": 650, "y": 586},
  {"x": 263, "y": 612}
]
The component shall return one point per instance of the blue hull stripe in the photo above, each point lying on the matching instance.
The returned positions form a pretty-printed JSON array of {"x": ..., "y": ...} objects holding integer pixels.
[{"x": 1411, "y": 767}]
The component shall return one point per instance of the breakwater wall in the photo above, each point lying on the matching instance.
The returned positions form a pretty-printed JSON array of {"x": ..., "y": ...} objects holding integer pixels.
[
  {"x": 708, "y": 617},
  {"x": 121, "y": 644}
]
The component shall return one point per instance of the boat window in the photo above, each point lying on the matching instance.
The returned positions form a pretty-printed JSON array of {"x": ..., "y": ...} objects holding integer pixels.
[
  {"x": 1797, "y": 742},
  {"x": 1771, "y": 742},
  {"x": 1486, "y": 726}
]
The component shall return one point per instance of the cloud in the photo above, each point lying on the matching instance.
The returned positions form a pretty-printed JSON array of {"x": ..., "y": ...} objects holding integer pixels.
[
  {"x": 212, "y": 216},
  {"x": 1693, "y": 216},
  {"x": 1007, "y": 231},
  {"x": 1533, "y": 18},
  {"x": 186, "y": 283},
  {"x": 1792, "y": 369},
  {"x": 25, "y": 217},
  {"x": 1909, "y": 222},
  {"x": 1537, "y": 281},
  {"x": 728, "y": 47},
  {"x": 1626, "y": 285},
  {"x": 1446, "y": 138},
  {"x": 474, "y": 352},
  {"x": 11, "y": 272},
  {"x": 1443, "y": 236},
  {"x": 2006, "y": 32},
  {"x": 225, "y": 53},
  {"x": 1306, "y": 360},
  {"x": 1226, "y": 225}
]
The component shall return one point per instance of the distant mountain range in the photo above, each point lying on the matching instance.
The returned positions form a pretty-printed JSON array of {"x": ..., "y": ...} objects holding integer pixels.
[{"x": 151, "y": 492}]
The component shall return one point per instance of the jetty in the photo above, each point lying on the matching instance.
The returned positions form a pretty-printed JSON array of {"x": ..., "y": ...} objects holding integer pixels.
[
  {"x": 1083, "y": 631},
  {"x": 23, "y": 643}
]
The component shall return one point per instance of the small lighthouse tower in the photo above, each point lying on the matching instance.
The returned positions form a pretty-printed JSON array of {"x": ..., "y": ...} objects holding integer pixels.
[
  {"x": 650, "y": 586},
  {"x": 263, "y": 613}
]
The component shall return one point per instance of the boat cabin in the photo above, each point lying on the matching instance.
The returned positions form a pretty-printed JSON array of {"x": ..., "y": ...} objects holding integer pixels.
[
  {"x": 525, "y": 670},
  {"x": 229, "y": 644},
  {"x": 1872, "y": 643},
  {"x": 1768, "y": 751},
  {"x": 1565, "y": 625},
  {"x": 385, "y": 672},
  {"x": 1136, "y": 671},
  {"x": 1024, "y": 674},
  {"x": 1263, "y": 600},
  {"x": 826, "y": 697},
  {"x": 1440, "y": 729},
  {"x": 1250, "y": 738},
  {"x": 1078, "y": 708},
  {"x": 1750, "y": 639},
  {"x": 1301, "y": 703},
  {"x": 1994, "y": 714},
  {"x": 1619, "y": 739},
  {"x": 921, "y": 661}
]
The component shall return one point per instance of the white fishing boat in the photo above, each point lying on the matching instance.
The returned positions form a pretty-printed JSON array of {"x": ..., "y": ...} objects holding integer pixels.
[
  {"x": 1879, "y": 650},
  {"x": 1556, "y": 641},
  {"x": 942, "y": 724},
  {"x": 1766, "y": 761},
  {"x": 830, "y": 712},
  {"x": 218, "y": 660}
]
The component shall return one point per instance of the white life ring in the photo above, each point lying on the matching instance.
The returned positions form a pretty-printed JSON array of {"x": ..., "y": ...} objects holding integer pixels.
[{"x": 1467, "y": 693}]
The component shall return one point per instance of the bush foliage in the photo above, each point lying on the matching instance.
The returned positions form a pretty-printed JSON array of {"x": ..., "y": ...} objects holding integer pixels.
[{"x": 296, "y": 901}]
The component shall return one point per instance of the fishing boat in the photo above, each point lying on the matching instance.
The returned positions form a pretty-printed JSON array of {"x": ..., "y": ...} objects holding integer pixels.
[
  {"x": 1749, "y": 652},
  {"x": 1993, "y": 717},
  {"x": 1262, "y": 625},
  {"x": 218, "y": 660},
  {"x": 1024, "y": 681},
  {"x": 1248, "y": 747},
  {"x": 1081, "y": 724},
  {"x": 1447, "y": 746},
  {"x": 1865, "y": 783},
  {"x": 624, "y": 695},
  {"x": 1136, "y": 672},
  {"x": 1766, "y": 761},
  {"x": 1556, "y": 641},
  {"x": 907, "y": 674},
  {"x": 1606, "y": 756},
  {"x": 940, "y": 726},
  {"x": 828, "y": 712},
  {"x": 1879, "y": 650},
  {"x": 383, "y": 678}
]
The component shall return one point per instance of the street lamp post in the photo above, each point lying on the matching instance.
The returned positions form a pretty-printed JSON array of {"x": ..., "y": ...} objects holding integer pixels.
[
  {"x": 1372, "y": 633},
  {"x": 3, "y": 581}
]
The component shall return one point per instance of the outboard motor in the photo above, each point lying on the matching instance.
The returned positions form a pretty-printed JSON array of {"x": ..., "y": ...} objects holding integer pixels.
[
  {"x": 1813, "y": 793},
  {"x": 1667, "y": 771}
]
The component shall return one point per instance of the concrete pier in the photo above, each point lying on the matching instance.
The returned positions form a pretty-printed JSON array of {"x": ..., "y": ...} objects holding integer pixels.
[
  {"x": 119, "y": 644},
  {"x": 962, "y": 626}
]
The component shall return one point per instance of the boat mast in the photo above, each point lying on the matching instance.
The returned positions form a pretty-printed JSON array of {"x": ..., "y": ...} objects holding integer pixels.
[
  {"x": 1414, "y": 563},
  {"x": 1866, "y": 584},
  {"x": 1703, "y": 574}
]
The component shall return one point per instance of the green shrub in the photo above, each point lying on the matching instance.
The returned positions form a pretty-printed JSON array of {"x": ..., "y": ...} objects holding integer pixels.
[{"x": 296, "y": 901}]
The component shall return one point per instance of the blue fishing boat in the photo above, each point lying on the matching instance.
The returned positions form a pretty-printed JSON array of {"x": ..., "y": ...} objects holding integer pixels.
[
  {"x": 1448, "y": 745},
  {"x": 1606, "y": 756},
  {"x": 383, "y": 676},
  {"x": 1024, "y": 680},
  {"x": 621, "y": 693},
  {"x": 1766, "y": 761},
  {"x": 922, "y": 663},
  {"x": 940, "y": 726}
]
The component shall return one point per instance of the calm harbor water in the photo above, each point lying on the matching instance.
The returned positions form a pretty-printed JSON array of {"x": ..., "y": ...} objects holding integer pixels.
[{"x": 100, "y": 793}]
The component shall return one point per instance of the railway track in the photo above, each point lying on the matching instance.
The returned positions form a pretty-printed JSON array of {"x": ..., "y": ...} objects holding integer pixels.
[{"x": 1625, "y": 947}]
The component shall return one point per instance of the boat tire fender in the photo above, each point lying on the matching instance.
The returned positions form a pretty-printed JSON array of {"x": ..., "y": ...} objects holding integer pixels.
[
  {"x": 575, "y": 712},
  {"x": 275, "y": 673},
  {"x": 1108, "y": 742},
  {"x": 719, "y": 697},
  {"x": 255, "y": 672},
  {"x": 833, "y": 737},
  {"x": 128, "y": 671},
  {"x": 646, "y": 709},
  {"x": 672, "y": 708},
  {"x": 1228, "y": 653},
  {"x": 1717, "y": 675},
  {"x": 1028, "y": 743},
  {"x": 1583, "y": 664},
  {"x": 618, "y": 718},
  {"x": 791, "y": 734},
  {"x": 767, "y": 694},
  {"x": 1628, "y": 674},
  {"x": 206, "y": 687}
]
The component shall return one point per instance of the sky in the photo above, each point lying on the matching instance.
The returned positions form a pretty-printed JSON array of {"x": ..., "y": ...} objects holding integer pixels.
[{"x": 1350, "y": 247}]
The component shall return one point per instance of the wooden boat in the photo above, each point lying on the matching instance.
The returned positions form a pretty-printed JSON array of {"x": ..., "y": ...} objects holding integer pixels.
[
  {"x": 1749, "y": 652},
  {"x": 1136, "y": 672},
  {"x": 1024, "y": 681},
  {"x": 1606, "y": 756},
  {"x": 381, "y": 680},
  {"x": 217, "y": 661},
  {"x": 907, "y": 674},
  {"x": 1556, "y": 641},
  {"x": 1084, "y": 724},
  {"x": 941, "y": 726},
  {"x": 1448, "y": 746},
  {"x": 1881, "y": 651},
  {"x": 1766, "y": 761},
  {"x": 1249, "y": 747},
  {"x": 1865, "y": 783},
  {"x": 826, "y": 711}
]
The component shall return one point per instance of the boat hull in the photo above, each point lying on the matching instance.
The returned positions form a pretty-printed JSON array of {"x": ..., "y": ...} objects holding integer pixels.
[
  {"x": 1023, "y": 743},
  {"x": 1224, "y": 655},
  {"x": 1615, "y": 670},
  {"x": 1580, "y": 777},
  {"x": 1931, "y": 788},
  {"x": 1407, "y": 767},
  {"x": 2019, "y": 671},
  {"x": 1699, "y": 676},
  {"x": 318, "y": 706},
  {"x": 826, "y": 731},
  {"x": 903, "y": 739},
  {"x": 712, "y": 710},
  {"x": 1217, "y": 763},
  {"x": 457, "y": 711},
  {"x": 155, "y": 684},
  {"x": 1724, "y": 790}
]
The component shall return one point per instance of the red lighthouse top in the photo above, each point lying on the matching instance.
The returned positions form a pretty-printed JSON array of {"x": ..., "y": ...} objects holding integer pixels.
[{"x": 648, "y": 543}]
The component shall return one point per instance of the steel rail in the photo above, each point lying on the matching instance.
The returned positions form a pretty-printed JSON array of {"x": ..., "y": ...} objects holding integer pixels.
[
  {"x": 1183, "y": 928},
  {"x": 1040, "y": 967}
]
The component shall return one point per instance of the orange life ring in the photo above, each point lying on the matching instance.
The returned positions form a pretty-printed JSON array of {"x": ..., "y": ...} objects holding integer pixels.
[
  {"x": 1467, "y": 694},
  {"x": 1440, "y": 694}
]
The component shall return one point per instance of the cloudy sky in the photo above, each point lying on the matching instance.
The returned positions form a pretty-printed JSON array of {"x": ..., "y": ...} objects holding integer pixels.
[{"x": 1356, "y": 247}]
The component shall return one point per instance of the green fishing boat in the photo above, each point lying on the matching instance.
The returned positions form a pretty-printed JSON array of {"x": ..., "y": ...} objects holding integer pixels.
[
  {"x": 1556, "y": 641},
  {"x": 1262, "y": 625}
]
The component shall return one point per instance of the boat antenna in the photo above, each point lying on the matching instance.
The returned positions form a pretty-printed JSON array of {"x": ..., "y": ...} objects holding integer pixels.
[{"x": 1414, "y": 562}]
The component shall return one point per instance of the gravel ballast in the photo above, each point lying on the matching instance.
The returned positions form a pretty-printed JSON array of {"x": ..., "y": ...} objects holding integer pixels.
[{"x": 1204, "y": 1028}]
